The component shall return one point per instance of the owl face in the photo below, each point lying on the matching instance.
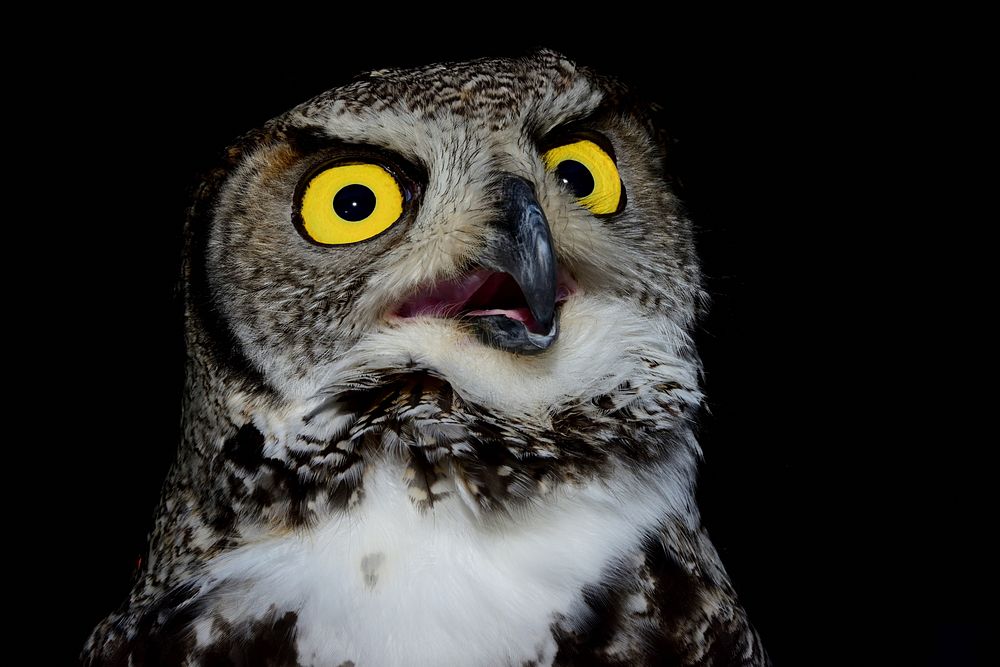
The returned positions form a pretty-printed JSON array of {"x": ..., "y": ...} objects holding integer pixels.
[{"x": 503, "y": 224}]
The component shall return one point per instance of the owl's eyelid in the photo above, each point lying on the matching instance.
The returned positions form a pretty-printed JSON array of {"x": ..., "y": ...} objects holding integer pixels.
[
  {"x": 402, "y": 170},
  {"x": 320, "y": 151},
  {"x": 577, "y": 130}
]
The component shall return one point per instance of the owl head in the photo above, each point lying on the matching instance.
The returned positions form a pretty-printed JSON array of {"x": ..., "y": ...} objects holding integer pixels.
[{"x": 505, "y": 225}]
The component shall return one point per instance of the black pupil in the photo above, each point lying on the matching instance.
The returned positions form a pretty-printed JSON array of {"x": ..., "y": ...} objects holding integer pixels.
[
  {"x": 354, "y": 202},
  {"x": 576, "y": 177}
]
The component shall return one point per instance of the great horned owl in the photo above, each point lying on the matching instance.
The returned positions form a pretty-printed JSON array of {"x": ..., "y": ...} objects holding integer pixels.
[{"x": 441, "y": 391}]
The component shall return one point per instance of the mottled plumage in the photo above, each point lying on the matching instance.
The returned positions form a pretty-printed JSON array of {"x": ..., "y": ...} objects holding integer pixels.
[{"x": 356, "y": 486}]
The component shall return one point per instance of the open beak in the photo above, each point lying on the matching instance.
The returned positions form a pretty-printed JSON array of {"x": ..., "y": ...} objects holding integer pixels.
[
  {"x": 510, "y": 299},
  {"x": 524, "y": 250}
]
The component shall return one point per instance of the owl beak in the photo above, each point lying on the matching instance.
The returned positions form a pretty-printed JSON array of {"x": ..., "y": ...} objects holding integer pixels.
[{"x": 523, "y": 249}]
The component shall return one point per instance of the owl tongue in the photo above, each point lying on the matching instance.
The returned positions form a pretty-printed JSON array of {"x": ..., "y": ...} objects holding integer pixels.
[
  {"x": 500, "y": 295},
  {"x": 520, "y": 314},
  {"x": 478, "y": 294}
]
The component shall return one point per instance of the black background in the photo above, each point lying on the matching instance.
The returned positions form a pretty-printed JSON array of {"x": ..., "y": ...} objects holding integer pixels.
[{"x": 765, "y": 122}]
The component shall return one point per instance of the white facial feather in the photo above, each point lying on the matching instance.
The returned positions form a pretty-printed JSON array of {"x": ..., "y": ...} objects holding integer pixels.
[{"x": 602, "y": 344}]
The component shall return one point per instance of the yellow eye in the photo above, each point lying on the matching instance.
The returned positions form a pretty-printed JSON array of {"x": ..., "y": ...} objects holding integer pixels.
[
  {"x": 589, "y": 173},
  {"x": 348, "y": 203}
]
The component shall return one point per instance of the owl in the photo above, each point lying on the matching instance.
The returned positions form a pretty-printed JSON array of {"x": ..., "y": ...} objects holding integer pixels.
[{"x": 441, "y": 391}]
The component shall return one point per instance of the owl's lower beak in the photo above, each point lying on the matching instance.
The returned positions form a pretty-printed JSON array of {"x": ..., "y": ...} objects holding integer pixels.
[{"x": 524, "y": 250}]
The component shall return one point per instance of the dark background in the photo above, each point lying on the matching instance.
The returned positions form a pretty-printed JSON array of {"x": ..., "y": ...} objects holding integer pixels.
[{"x": 767, "y": 148}]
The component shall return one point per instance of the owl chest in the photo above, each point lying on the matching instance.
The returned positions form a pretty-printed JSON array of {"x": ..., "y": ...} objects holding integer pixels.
[{"x": 390, "y": 585}]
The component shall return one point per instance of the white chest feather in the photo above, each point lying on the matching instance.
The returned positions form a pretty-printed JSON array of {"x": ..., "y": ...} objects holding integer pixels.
[{"x": 387, "y": 585}]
